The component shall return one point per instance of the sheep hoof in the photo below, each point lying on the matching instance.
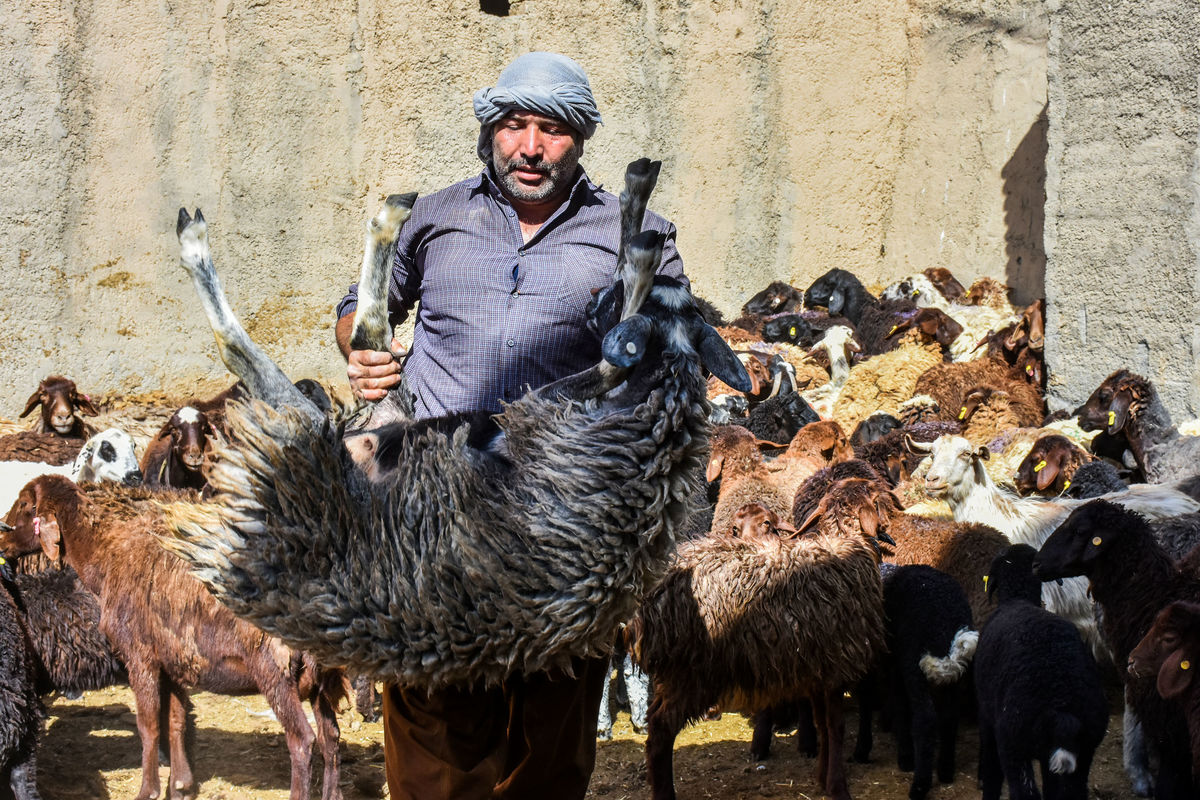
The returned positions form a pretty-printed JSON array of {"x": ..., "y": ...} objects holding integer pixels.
[{"x": 918, "y": 791}]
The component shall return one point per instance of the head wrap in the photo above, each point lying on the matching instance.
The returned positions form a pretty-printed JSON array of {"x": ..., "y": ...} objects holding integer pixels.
[{"x": 544, "y": 83}]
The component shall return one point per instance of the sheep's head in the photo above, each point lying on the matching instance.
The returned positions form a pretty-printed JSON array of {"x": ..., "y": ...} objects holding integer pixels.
[
  {"x": 108, "y": 456},
  {"x": 933, "y": 324},
  {"x": 840, "y": 292},
  {"x": 665, "y": 318},
  {"x": 33, "y": 521},
  {"x": 734, "y": 450},
  {"x": 945, "y": 283},
  {"x": 987, "y": 292},
  {"x": 1170, "y": 649},
  {"x": 855, "y": 507},
  {"x": 954, "y": 463},
  {"x": 1030, "y": 330},
  {"x": 921, "y": 408},
  {"x": 1010, "y": 576},
  {"x": 975, "y": 397},
  {"x": 838, "y": 342},
  {"x": 61, "y": 404},
  {"x": 790, "y": 328},
  {"x": 823, "y": 440},
  {"x": 1117, "y": 399},
  {"x": 777, "y": 298},
  {"x": 1083, "y": 538},
  {"x": 787, "y": 414},
  {"x": 756, "y": 522},
  {"x": 189, "y": 431},
  {"x": 873, "y": 428},
  {"x": 1049, "y": 465}
]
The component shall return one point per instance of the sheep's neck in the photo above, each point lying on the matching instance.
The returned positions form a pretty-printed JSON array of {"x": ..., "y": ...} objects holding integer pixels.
[
  {"x": 1151, "y": 427},
  {"x": 1019, "y": 519},
  {"x": 77, "y": 533},
  {"x": 1131, "y": 582}
]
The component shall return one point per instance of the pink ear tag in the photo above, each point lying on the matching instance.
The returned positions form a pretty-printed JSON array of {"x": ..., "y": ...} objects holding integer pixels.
[{"x": 37, "y": 526}]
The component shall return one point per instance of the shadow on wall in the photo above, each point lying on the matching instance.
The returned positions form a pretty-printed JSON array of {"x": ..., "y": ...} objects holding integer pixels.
[{"x": 1025, "y": 215}]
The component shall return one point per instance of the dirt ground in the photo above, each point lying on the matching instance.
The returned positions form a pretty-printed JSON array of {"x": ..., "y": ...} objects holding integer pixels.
[{"x": 90, "y": 750}]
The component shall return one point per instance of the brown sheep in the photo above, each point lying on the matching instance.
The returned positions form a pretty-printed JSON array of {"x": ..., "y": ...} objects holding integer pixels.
[
  {"x": 948, "y": 384},
  {"x": 174, "y": 458},
  {"x": 48, "y": 448},
  {"x": 962, "y": 550},
  {"x": 62, "y": 406},
  {"x": 736, "y": 459},
  {"x": 177, "y": 637},
  {"x": 817, "y": 445},
  {"x": 988, "y": 411},
  {"x": 747, "y": 624},
  {"x": 1049, "y": 465}
]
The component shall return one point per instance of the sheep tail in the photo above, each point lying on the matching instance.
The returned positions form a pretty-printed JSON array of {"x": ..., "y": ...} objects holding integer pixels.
[
  {"x": 1065, "y": 741},
  {"x": 951, "y": 668}
]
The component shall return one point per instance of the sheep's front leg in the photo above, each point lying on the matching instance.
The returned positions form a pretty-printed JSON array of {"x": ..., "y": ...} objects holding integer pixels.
[
  {"x": 243, "y": 357},
  {"x": 182, "y": 781},
  {"x": 283, "y": 696},
  {"x": 325, "y": 716},
  {"x": 146, "y": 682}
]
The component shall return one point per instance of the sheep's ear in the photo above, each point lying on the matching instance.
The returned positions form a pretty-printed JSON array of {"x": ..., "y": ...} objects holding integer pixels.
[
  {"x": 625, "y": 344},
  {"x": 713, "y": 471},
  {"x": 84, "y": 404},
  {"x": 837, "y": 300},
  {"x": 1175, "y": 675},
  {"x": 1048, "y": 473},
  {"x": 50, "y": 537},
  {"x": 982, "y": 453},
  {"x": 33, "y": 402},
  {"x": 718, "y": 359},
  {"x": 1118, "y": 411}
]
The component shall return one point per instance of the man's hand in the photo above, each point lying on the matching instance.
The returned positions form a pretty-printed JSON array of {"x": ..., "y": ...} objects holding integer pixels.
[{"x": 372, "y": 373}]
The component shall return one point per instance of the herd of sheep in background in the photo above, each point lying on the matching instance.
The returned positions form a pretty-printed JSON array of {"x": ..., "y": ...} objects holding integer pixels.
[{"x": 880, "y": 510}]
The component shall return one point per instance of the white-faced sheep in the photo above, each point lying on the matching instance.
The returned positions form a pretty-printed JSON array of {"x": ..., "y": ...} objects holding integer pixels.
[
  {"x": 1038, "y": 689},
  {"x": 63, "y": 407},
  {"x": 514, "y": 546},
  {"x": 748, "y": 624},
  {"x": 109, "y": 536},
  {"x": 1131, "y": 577}
]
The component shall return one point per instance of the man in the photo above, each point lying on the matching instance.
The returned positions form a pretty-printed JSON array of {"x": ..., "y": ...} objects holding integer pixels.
[{"x": 503, "y": 265}]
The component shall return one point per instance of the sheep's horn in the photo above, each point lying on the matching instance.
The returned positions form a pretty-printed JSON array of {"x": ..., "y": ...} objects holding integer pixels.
[
  {"x": 4, "y": 526},
  {"x": 775, "y": 384},
  {"x": 917, "y": 447}
]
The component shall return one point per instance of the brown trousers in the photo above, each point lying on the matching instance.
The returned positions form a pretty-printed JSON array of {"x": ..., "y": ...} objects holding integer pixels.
[{"x": 534, "y": 738}]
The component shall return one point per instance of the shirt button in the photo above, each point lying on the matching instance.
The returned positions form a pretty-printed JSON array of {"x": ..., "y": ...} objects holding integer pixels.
[{"x": 511, "y": 343}]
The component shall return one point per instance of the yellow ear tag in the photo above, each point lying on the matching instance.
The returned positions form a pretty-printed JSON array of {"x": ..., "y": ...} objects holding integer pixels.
[
  {"x": 1041, "y": 465},
  {"x": 963, "y": 414},
  {"x": 985, "y": 577},
  {"x": 2, "y": 561},
  {"x": 916, "y": 292},
  {"x": 1029, "y": 369},
  {"x": 1112, "y": 418},
  {"x": 1097, "y": 541},
  {"x": 1185, "y": 665},
  {"x": 893, "y": 330},
  {"x": 1066, "y": 485},
  {"x": 792, "y": 331}
]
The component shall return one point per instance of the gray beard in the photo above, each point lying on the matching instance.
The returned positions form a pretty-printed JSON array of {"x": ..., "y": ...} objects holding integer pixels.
[{"x": 558, "y": 176}]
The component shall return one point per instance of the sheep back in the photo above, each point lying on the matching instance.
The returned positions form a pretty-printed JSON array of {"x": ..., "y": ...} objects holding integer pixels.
[
  {"x": 48, "y": 448},
  {"x": 883, "y": 382},
  {"x": 756, "y": 623}
]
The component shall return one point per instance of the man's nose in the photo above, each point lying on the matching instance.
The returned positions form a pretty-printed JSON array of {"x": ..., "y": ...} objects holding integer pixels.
[{"x": 531, "y": 141}]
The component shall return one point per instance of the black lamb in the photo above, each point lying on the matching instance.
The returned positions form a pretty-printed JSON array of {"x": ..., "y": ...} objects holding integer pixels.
[
  {"x": 1039, "y": 691},
  {"x": 930, "y": 644},
  {"x": 779, "y": 418},
  {"x": 842, "y": 293}
]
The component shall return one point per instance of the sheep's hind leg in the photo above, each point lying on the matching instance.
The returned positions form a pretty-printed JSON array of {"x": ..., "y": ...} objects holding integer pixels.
[
  {"x": 182, "y": 781},
  {"x": 325, "y": 716},
  {"x": 243, "y": 357},
  {"x": 662, "y": 727}
]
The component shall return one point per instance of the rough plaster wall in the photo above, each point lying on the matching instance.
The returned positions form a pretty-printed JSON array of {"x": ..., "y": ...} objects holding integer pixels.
[
  {"x": 1123, "y": 197},
  {"x": 876, "y": 136}
]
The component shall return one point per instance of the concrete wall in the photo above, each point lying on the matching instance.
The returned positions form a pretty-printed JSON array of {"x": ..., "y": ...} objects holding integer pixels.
[
  {"x": 1123, "y": 197},
  {"x": 796, "y": 135}
]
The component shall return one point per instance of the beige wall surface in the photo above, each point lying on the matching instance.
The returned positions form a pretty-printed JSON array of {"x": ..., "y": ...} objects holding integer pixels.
[
  {"x": 1123, "y": 198},
  {"x": 878, "y": 136}
]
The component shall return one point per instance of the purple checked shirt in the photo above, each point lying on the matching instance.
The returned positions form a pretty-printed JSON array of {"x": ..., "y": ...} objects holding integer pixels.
[{"x": 498, "y": 314}]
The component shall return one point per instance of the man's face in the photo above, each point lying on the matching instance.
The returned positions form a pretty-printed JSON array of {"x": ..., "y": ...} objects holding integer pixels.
[{"x": 534, "y": 156}]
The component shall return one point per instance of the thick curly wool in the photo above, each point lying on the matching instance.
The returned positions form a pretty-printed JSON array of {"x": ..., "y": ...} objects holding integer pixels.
[
  {"x": 494, "y": 567},
  {"x": 761, "y": 621},
  {"x": 884, "y": 382}
]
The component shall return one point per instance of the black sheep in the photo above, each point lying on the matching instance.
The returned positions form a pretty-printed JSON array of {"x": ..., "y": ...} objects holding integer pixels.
[
  {"x": 779, "y": 418},
  {"x": 792, "y": 328},
  {"x": 777, "y": 298},
  {"x": 842, "y": 293},
  {"x": 926, "y": 614},
  {"x": 1039, "y": 690},
  {"x": 1131, "y": 578},
  {"x": 873, "y": 428},
  {"x": 20, "y": 709}
]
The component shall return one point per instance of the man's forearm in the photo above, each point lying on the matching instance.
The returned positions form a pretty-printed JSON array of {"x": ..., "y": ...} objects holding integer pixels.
[{"x": 342, "y": 331}]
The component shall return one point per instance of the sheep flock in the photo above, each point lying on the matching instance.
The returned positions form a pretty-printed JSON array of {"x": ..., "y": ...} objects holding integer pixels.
[{"x": 820, "y": 539}]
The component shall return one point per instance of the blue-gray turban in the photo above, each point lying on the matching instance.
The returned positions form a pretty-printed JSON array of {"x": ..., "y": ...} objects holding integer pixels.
[{"x": 544, "y": 83}]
